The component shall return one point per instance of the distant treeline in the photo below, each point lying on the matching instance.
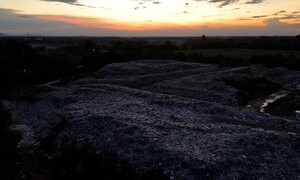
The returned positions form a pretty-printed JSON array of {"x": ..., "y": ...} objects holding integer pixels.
[{"x": 38, "y": 59}]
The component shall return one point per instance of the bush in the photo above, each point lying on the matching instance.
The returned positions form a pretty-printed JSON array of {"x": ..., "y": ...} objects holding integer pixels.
[{"x": 270, "y": 60}]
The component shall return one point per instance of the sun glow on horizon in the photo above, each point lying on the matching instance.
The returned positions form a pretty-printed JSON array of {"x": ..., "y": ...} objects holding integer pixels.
[{"x": 162, "y": 14}]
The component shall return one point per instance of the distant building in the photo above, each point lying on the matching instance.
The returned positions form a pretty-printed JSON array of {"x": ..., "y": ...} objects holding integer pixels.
[{"x": 297, "y": 115}]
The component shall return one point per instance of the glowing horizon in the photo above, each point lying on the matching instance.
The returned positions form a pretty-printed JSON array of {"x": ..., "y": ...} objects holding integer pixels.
[{"x": 195, "y": 16}]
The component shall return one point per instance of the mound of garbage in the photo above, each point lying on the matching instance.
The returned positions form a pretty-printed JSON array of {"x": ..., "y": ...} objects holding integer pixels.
[{"x": 184, "y": 120}]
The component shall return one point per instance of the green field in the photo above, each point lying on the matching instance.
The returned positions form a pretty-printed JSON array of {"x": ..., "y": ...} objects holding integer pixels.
[{"x": 243, "y": 53}]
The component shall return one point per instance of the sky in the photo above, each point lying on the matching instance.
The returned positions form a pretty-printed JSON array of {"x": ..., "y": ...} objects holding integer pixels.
[{"x": 150, "y": 17}]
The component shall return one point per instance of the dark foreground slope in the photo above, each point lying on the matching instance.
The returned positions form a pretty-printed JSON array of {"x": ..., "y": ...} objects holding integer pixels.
[{"x": 160, "y": 119}]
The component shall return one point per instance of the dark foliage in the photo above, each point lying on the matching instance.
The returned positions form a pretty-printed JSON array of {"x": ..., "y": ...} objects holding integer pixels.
[
  {"x": 94, "y": 62},
  {"x": 8, "y": 143},
  {"x": 276, "y": 60},
  {"x": 285, "y": 106},
  {"x": 253, "y": 88},
  {"x": 26, "y": 60}
]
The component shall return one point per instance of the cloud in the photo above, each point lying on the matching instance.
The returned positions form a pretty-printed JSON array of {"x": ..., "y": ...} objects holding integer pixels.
[
  {"x": 285, "y": 15},
  {"x": 219, "y": 3},
  {"x": 145, "y": 0},
  {"x": 291, "y": 16},
  {"x": 254, "y": 1},
  {"x": 64, "y": 1},
  {"x": 296, "y": 12},
  {"x": 261, "y": 16},
  {"x": 11, "y": 22},
  {"x": 25, "y": 16},
  {"x": 279, "y": 12},
  {"x": 14, "y": 23},
  {"x": 275, "y": 22},
  {"x": 271, "y": 27},
  {"x": 280, "y": 15},
  {"x": 71, "y": 2},
  {"x": 223, "y": 3}
]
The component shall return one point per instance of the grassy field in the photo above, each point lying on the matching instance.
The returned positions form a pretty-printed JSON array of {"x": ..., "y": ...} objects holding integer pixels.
[{"x": 242, "y": 53}]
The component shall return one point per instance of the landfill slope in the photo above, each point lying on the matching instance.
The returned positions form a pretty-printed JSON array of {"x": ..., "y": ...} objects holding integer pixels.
[{"x": 181, "y": 118}]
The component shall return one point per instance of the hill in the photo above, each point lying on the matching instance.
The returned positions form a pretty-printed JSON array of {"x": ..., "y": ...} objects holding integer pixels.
[{"x": 1, "y": 34}]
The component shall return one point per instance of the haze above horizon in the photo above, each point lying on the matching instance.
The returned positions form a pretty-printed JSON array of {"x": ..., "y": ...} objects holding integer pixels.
[{"x": 150, "y": 17}]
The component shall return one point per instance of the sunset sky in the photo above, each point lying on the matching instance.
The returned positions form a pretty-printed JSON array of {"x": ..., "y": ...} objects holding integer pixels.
[{"x": 150, "y": 17}]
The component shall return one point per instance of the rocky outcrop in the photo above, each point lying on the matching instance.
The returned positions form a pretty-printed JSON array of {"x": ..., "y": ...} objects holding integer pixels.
[{"x": 181, "y": 118}]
